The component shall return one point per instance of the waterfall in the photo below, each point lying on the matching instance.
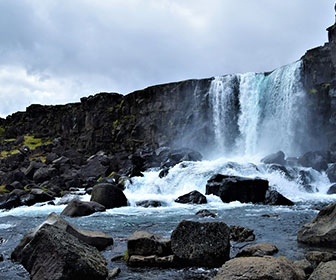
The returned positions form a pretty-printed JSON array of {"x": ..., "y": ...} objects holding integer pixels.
[{"x": 270, "y": 115}]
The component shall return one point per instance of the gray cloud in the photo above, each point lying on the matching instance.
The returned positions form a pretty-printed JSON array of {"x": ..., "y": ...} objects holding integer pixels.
[{"x": 57, "y": 51}]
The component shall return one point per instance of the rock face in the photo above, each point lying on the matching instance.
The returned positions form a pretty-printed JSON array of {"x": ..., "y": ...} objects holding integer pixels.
[
  {"x": 54, "y": 254},
  {"x": 260, "y": 268},
  {"x": 325, "y": 270},
  {"x": 108, "y": 195},
  {"x": 193, "y": 197},
  {"x": 232, "y": 188},
  {"x": 201, "y": 243},
  {"x": 146, "y": 244},
  {"x": 77, "y": 208},
  {"x": 321, "y": 231}
]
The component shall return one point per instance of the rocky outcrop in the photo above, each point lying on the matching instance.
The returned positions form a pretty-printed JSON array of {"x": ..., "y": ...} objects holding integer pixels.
[
  {"x": 321, "y": 231},
  {"x": 201, "y": 243},
  {"x": 231, "y": 188},
  {"x": 78, "y": 208},
  {"x": 260, "y": 268}
]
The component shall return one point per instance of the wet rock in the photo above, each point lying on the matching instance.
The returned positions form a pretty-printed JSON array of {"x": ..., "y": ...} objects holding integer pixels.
[
  {"x": 270, "y": 215},
  {"x": 309, "y": 188},
  {"x": 52, "y": 253},
  {"x": 305, "y": 266},
  {"x": 146, "y": 244},
  {"x": 316, "y": 257},
  {"x": 108, "y": 195},
  {"x": 35, "y": 196},
  {"x": 164, "y": 172},
  {"x": 205, "y": 213},
  {"x": 201, "y": 243},
  {"x": 260, "y": 268},
  {"x": 169, "y": 158},
  {"x": 232, "y": 188},
  {"x": 331, "y": 173},
  {"x": 273, "y": 197},
  {"x": 11, "y": 200},
  {"x": 258, "y": 250},
  {"x": 193, "y": 197},
  {"x": 77, "y": 208},
  {"x": 332, "y": 189},
  {"x": 277, "y": 158},
  {"x": 284, "y": 171},
  {"x": 113, "y": 273},
  {"x": 325, "y": 270},
  {"x": 316, "y": 160},
  {"x": 152, "y": 261},
  {"x": 321, "y": 231},
  {"x": 1, "y": 258},
  {"x": 241, "y": 234},
  {"x": 149, "y": 203},
  {"x": 305, "y": 177}
]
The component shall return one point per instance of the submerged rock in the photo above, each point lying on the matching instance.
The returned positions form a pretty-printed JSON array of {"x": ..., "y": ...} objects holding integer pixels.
[
  {"x": 149, "y": 203},
  {"x": 108, "y": 195},
  {"x": 321, "y": 231},
  {"x": 232, "y": 188},
  {"x": 77, "y": 208},
  {"x": 275, "y": 198},
  {"x": 54, "y": 254},
  {"x": 205, "y": 213},
  {"x": 260, "y": 268},
  {"x": 194, "y": 197},
  {"x": 201, "y": 243}
]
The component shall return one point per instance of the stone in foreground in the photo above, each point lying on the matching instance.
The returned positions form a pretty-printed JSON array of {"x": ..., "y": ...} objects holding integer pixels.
[
  {"x": 324, "y": 271},
  {"x": 53, "y": 254},
  {"x": 260, "y": 268},
  {"x": 321, "y": 231},
  {"x": 203, "y": 244}
]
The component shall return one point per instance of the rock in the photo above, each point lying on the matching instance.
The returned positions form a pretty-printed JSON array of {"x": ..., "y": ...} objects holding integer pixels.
[
  {"x": 1, "y": 258},
  {"x": 77, "y": 208},
  {"x": 332, "y": 189},
  {"x": 305, "y": 266},
  {"x": 193, "y": 197},
  {"x": 305, "y": 177},
  {"x": 173, "y": 157},
  {"x": 277, "y": 158},
  {"x": 241, "y": 234},
  {"x": 316, "y": 160},
  {"x": 316, "y": 257},
  {"x": 325, "y": 270},
  {"x": 108, "y": 195},
  {"x": 273, "y": 197},
  {"x": 67, "y": 198},
  {"x": 32, "y": 168},
  {"x": 201, "y": 243},
  {"x": 11, "y": 200},
  {"x": 149, "y": 203},
  {"x": 331, "y": 173},
  {"x": 321, "y": 231},
  {"x": 258, "y": 250},
  {"x": 260, "y": 268},
  {"x": 232, "y": 188},
  {"x": 52, "y": 253},
  {"x": 145, "y": 244},
  {"x": 284, "y": 171},
  {"x": 164, "y": 172},
  {"x": 152, "y": 261},
  {"x": 44, "y": 174},
  {"x": 96, "y": 166},
  {"x": 113, "y": 273},
  {"x": 35, "y": 196},
  {"x": 205, "y": 213},
  {"x": 97, "y": 239}
]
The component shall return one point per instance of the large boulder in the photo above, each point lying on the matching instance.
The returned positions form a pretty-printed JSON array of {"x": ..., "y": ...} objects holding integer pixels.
[
  {"x": 277, "y": 158},
  {"x": 146, "y": 244},
  {"x": 325, "y": 270},
  {"x": 77, "y": 208},
  {"x": 201, "y": 243},
  {"x": 53, "y": 254},
  {"x": 273, "y": 197},
  {"x": 232, "y": 188},
  {"x": 321, "y": 231},
  {"x": 260, "y": 268},
  {"x": 44, "y": 174},
  {"x": 194, "y": 197},
  {"x": 108, "y": 195},
  {"x": 317, "y": 160}
]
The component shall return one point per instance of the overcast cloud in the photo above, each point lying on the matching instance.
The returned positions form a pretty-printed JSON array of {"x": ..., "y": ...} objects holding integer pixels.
[{"x": 56, "y": 51}]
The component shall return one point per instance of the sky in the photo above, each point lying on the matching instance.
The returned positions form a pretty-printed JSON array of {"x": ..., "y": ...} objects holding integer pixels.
[{"x": 57, "y": 51}]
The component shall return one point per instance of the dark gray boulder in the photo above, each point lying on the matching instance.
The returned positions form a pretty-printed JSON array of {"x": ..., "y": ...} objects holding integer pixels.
[
  {"x": 149, "y": 203},
  {"x": 194, "y": 197},
  {"x": 321, "y": 231},
  {"x": 273, "y": 197},
  {"x": 201, "y": 243},
  {"x": 316, "y": 160},
  {"x": 241, "y": 234},
  {"x": 205, "y": 213},
  {"x": 44, "y": 174},
  {"x": 108, "y": 195},
  {"x": 143, "y": 243},
  {"x": 54, "y": 254},
  {"x": 277, "y": 158},
  {"x": 325, "y": 270},
  {"x": 332, "y": 189},
  {"x": 258, "y": 250},
  {"x": 316, "y": 257},
  {"x": 331, "y": 173},
  {"x": 77, "y": 208},
  {"x": 234, "y": 188}
]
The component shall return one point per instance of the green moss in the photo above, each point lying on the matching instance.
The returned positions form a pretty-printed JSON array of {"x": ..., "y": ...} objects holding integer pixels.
[
  {"x": 44, "y": 189},
  {"x": 115, "y": 124},
  {"x": 110, "y": 109},
  {"x": 3, "y": 190},
  {"x": 26, "y": 188},
  {"x": 326, "y": 85},
  {"x": 126, "y": 256},
  {"x": 2, "y": 131},
  {"x": 121, "y": 104},
  {"x": 10, "y": 140},
  {"x": 4, "y": 154},
  {"x": 100, "y": 179},
  {"x": 129, "y": 117},
  {"x": 313, "y": 91},
  {"x": 112, "y": 174}
]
